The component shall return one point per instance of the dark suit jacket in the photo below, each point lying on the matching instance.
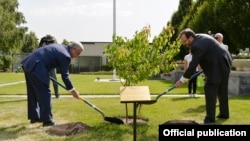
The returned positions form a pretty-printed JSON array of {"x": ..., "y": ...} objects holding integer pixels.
[
  {"x": 40, "y": 61},
  {"x": 213, "y": 58}
]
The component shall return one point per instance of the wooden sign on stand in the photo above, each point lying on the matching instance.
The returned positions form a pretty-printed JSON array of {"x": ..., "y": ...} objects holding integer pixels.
[{"x": 135, "y": 95}]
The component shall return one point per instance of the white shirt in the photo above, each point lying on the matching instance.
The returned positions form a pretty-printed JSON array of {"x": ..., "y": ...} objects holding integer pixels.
[
  {"x": 225, "y": 46},
  {"x": 188, "y": 58}
]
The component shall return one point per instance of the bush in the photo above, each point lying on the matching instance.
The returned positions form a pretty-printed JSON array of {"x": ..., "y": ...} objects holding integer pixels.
[
  {"x": 97, "y": 73},
  {"x": 7, "y": 62},
  {"x": 241, "y": 57},
  {"x": 106, "y": 68}
]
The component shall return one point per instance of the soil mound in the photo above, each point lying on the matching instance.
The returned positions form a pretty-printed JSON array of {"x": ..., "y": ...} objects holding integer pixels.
[
  {"x": 68, "y": 129},
  {"x": 180, "y": 122}
]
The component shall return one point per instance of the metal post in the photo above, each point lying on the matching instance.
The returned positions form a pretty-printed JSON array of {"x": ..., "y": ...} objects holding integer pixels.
[
  {"x": 114, "y": 30},
  {"x": 134, "y": 122}
]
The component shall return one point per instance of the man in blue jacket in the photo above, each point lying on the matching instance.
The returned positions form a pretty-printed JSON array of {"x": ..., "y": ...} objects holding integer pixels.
[
  {"x": 216, "y": 63},
  {"x": 46, "y": 40},
  {"x": 37, "y": 68}
]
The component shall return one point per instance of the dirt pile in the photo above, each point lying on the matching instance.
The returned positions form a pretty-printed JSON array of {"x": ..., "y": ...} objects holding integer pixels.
[{"x": 68, "y": 129}]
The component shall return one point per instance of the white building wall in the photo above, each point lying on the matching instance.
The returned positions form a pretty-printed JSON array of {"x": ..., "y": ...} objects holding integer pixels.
[{"x": 95, "y": 49}]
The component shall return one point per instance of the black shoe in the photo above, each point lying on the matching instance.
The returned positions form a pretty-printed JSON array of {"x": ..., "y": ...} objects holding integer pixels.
[
  {"x": 49, "y": 123},
  {"x": 222, "y": 117},
  {"x": 57, "y": 96},
  {"x": 35, "y": 121},
  {"x": 208, "y": 121}
]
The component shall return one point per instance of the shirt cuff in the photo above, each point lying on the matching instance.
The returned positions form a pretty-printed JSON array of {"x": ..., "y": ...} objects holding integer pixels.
[
  {"x": 182, "y": 79},
  {"x": 72, "y": 89}
]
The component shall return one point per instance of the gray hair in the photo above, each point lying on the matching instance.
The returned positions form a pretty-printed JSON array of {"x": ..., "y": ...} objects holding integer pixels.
[
  {"x": 77, "y": 45},
  {"x": 218, "y": 35}
]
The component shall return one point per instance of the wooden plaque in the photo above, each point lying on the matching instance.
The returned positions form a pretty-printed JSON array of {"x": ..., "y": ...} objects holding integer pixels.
[{"x": 134, "y": 94}]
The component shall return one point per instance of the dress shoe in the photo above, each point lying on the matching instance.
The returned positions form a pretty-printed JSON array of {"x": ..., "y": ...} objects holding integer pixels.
[
  {"x": 208, "y": 121},
  {"x": 49, "y": 123},
  {"x": 57, "y": 96},
  {"x": 35, "y": 121},
  {"x": 223, "y": 117}
]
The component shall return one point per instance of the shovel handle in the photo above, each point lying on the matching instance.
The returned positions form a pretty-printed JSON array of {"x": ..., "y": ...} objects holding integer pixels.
[
  {"x": 173, "y": 87},
  {"x": 92, "y": 105},
  {"x": 80, "y": 98},
  {"x": 196, "y": 74}
]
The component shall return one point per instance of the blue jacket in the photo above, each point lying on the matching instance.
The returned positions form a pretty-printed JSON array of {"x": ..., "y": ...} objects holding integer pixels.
[{"x": 43, "y": 59}]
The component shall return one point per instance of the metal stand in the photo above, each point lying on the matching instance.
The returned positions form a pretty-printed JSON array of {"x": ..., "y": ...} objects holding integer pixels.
[
  {"x": 134, "y": 122},
  {"x": 134, "y": 94}
]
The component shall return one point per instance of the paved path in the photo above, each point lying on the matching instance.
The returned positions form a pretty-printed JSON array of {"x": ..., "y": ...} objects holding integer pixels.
[
  {"x": 12, "y": 83},
  {"x": 105, "y": 96},
  {"x": 89, "y": 96}
]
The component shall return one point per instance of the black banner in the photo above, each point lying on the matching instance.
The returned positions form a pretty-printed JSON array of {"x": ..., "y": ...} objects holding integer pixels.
[{"x": 202, "y": 132}]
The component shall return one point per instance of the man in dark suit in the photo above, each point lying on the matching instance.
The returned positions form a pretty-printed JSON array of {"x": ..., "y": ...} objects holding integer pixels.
[
  {"x": 216, "y": 63},
  {"x": 46, "y": 40},
  {"x": 37, "y": 68}
]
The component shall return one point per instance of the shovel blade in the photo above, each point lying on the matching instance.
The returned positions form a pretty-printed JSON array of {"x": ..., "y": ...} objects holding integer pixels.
[{"x": 113, "y": 120}]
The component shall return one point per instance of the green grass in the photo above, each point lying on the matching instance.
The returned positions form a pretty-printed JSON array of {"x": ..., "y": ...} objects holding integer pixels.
[
  {"x": 86, "y": 85},
  {"x": 14, "y": 124}
]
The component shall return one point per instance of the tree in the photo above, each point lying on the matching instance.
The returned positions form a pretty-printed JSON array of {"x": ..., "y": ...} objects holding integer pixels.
[
  {"x": 30, "y": 43},
  {"x": 65, "y": 42},
  {"x": 177, "y": 19},
  {"x": 201, "y": 24},
  {"x": 233, "y": 19},
  {"x": 229, "y": 17},
  {"x": 135, "y": 59},
  {"x": 11, "y": 33},
  {"x": 183, "y": 10}
]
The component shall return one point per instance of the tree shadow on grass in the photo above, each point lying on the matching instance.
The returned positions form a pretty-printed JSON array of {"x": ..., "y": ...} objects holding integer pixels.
[
  {"x": 243, "y": 97},
  {"x": 184, "y": 98},
  {"x": 113, "y": 132},
  {"x": 198, "y": 109},
  {"x": 12, "y": 101},
  {"x": 201, "y": 109},
  {"x": 12, "y": 132}
]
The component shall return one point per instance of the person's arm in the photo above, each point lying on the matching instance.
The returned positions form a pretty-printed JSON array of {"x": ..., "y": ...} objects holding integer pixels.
[
  {"x": 185, "y": 64},
  {"x": 182, "y": 79}
]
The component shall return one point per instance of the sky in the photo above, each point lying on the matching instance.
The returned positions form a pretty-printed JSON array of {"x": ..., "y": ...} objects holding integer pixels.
[{"x": 93, "y": 20}]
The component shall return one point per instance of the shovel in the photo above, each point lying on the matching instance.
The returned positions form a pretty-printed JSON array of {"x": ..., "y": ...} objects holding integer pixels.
[
  {"x": 166, "y": 91},
  {"x": 109, "y": 119}
]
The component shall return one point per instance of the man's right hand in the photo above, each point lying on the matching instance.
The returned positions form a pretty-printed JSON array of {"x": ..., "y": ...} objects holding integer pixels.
[{"x": 178, "y": 84}]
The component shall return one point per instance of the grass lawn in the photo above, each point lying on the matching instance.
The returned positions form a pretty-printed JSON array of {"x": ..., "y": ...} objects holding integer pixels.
[
  {"x": 15, "y": 126},
  {"x": 86, "y": 85}
]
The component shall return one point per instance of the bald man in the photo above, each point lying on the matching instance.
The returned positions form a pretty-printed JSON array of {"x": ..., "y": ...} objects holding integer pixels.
[{"x": 219, "y": 38}]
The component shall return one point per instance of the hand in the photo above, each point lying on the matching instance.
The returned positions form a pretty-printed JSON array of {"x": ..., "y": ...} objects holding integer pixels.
[
  {"x": 75, "y": 94},
  {"x": 178, "y": 84}
]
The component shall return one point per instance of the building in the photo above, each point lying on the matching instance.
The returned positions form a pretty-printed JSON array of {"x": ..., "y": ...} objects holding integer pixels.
[{"x": 91, "y": 59}]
